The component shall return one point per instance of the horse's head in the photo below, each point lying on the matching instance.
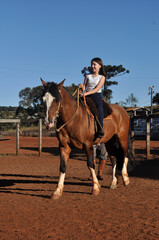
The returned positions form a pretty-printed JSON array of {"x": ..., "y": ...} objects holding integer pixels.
[{"x": 51, "y": 99}]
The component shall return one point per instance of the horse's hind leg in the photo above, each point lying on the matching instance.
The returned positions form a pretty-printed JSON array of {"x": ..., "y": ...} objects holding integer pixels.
[
  {"x": 124, "y": 172},
  {"x": 114, "y": 177},
  {"x": 64, "y": 156},
  {"x": 124, "y": 145}
]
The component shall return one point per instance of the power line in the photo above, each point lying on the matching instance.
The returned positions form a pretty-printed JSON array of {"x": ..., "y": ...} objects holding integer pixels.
[{"x": 71, "y": 74}]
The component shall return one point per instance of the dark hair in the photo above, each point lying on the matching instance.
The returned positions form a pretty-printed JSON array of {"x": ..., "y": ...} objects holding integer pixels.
[{"x": 100, "y": 62}]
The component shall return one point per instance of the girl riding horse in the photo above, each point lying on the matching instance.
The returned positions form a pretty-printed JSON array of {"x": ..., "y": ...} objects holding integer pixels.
[{"x": 76, "y": 130}]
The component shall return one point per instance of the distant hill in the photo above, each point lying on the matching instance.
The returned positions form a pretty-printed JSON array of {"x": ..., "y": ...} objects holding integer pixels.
[
  {"x": 4, "y": 108},
  {"x": 7, "y": 112}
]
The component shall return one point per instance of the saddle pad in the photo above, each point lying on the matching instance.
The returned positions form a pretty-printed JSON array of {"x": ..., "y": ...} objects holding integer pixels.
[{"x": 108, "y": 117}]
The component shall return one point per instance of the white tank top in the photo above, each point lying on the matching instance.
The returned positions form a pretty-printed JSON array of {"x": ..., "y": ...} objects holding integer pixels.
[{"x": 92, "y": 82}]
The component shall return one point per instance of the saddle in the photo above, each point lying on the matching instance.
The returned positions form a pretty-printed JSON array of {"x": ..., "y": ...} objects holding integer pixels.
[{"x": 92, "y": 107}]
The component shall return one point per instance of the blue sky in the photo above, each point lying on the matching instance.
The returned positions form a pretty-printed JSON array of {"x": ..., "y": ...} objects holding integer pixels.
[{"x": 56, "y": 39}]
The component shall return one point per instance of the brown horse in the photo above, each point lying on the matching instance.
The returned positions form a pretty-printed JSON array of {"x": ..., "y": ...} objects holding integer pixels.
[{"x": 76, "y": 130}]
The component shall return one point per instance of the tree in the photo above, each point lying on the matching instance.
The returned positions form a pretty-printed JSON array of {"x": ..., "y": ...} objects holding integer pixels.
[
  {"x": 131, "y": 101},
  {"x": 31, "y": 102},
  {"x": 111, "y": 71},
  {"x": 36, "y": 95},
  {"x": 21, "y": 112},
  {"x": 31, "y": 97},
  {"x": 71, "y": 88},
  {"x": 25, "y": 95},
  {"x": 156, "y": 98}
]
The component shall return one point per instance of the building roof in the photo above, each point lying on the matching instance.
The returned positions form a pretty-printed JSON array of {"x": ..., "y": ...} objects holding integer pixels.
[{"x": 132, "y": 109}]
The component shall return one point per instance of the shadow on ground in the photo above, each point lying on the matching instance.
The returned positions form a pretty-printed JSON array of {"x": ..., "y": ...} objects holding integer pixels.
[
  {"x": 77, "y": 154},
  {"x": 146, "y": 169}
]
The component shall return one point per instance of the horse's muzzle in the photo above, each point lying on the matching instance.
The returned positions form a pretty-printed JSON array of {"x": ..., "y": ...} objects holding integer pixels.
[{"x": 49, "y": 125}]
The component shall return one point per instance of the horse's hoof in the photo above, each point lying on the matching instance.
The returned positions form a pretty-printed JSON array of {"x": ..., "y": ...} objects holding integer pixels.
[
  {"x": 113, "y": 186},
  {"x": 127, "y": 182},
  {"x": 90, "y": 178},
  {"x": 99, "y": 177},
  {"x": 55, "y": 196},
  {"x": 95, "y": 192}
]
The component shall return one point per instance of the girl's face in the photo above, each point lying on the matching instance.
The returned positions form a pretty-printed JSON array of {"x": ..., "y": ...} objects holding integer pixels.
[{"x": 95, "y": 67}]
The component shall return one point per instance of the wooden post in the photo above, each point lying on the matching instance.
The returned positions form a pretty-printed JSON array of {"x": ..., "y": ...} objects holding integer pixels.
[
  {"x": 17, "y": 139},
  {"x": 132, "y": 135},
  {"x": 17, "y": 121},
  {"x": 148, "y": 138},
  {"x": 40, "y": 136}
]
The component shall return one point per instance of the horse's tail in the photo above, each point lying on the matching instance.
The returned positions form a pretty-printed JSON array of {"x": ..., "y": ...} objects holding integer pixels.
[
  {"x": 115, "y": 149},
  {"x": 120, "y": 155},
  {"x": 130, "y": 155}
]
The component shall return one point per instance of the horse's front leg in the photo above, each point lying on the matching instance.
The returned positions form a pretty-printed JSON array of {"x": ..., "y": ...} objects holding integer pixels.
[
  {"x": 91, "y": 166},
  {"x": 64, "y": 156}
]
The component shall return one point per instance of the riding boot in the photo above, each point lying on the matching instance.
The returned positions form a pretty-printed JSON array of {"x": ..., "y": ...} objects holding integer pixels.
[{"x": 101, "y": 169}]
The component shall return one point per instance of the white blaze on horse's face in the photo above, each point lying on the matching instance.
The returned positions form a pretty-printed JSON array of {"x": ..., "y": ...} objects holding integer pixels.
[{"x": 48, "y": 99}]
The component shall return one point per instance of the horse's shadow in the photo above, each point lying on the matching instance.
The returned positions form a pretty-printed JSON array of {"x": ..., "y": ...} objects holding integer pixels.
[
  {"x": 146, "y": 169},
  {"x": 52, "y": 150},
  {"x": 76, "y": 153},
  {"x": 8, "y": 185},
  {"x": 153, "y": 151}
]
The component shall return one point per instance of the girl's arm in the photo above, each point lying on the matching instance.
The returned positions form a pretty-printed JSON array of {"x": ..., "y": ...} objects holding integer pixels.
[
  {"x": 85, "y": 82},
  {"x": 98, "y": 87}
]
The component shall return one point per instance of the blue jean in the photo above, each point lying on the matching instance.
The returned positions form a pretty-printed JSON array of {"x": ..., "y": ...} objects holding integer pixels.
[{"x": 97, "y": 98}]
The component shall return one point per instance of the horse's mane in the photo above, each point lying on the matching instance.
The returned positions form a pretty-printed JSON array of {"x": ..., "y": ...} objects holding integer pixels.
[
  {"x": 68, "y": 92},
  {"x": 53, "y": 90}
]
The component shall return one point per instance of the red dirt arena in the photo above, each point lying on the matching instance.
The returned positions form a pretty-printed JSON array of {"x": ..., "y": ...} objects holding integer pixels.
[{"x": 27, "y": 182}]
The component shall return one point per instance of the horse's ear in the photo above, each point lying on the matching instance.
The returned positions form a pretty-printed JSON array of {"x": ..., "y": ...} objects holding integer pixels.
[
  {"x": 60, "y": 85},
  {"x": 43, "y": 82}
]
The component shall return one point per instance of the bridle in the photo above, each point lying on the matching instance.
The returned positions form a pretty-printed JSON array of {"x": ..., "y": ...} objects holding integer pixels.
[{"x": 57, "y": 113}]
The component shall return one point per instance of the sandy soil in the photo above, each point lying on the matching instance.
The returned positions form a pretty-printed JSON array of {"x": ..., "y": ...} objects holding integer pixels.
[{"x": 27, "y": 182}]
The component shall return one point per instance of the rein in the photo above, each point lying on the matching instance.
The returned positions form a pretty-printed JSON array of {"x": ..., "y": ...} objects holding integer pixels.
[{"x": 58, "y": 108}]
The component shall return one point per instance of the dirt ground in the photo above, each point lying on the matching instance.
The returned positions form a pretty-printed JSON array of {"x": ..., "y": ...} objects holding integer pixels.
[{"x": 27, "y": 182}]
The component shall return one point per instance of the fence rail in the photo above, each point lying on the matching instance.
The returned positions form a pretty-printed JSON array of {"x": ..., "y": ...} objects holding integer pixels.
[
  {"x": 148, "y": 131},
  {"x": 9, "y": 120},
  {"x": 17, "y": 121}
]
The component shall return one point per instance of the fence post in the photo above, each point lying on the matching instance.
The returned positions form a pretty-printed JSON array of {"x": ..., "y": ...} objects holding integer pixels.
[
  {"x": 148, "y": 120},
  {"x": 17, "y": 139},
  {"x": 131, "y": 130},
  {"x": 40, "y": 136}
]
